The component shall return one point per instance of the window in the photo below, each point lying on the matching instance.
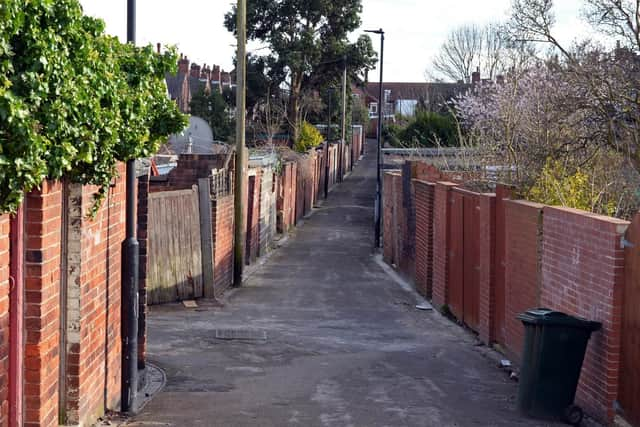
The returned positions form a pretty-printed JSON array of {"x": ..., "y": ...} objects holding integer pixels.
[{"x": 373, "y": 108}]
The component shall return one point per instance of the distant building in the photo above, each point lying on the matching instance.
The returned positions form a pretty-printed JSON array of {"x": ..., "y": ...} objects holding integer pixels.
[
  {"x": 406, "y": 98},
  {"x": 193, "y": 78}
]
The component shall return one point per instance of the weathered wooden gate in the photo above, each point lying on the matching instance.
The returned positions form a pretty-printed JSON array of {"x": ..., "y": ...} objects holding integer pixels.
[
  {"x": 464, "y": 277},
  {"x": 629, "y": 393},
  {"x": 175, "y": 255}
]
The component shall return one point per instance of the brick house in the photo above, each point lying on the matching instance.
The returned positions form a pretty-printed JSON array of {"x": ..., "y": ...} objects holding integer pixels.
[
  {"x": 403, "y": 98},
  {"x": 192, "y": 78}
]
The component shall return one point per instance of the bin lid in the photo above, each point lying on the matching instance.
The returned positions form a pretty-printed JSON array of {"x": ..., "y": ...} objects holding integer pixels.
[{"x": 545, "y": 316}]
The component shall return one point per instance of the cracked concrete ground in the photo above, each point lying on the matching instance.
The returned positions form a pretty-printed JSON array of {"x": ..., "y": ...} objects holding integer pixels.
[{"x": 345, "y": 345}]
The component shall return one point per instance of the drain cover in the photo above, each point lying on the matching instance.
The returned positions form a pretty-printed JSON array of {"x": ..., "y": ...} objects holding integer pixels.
[{"x": 241, "y": 334}]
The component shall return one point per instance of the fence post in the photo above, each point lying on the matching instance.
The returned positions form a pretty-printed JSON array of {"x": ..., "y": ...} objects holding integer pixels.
[{"x": 206, "y": 242}]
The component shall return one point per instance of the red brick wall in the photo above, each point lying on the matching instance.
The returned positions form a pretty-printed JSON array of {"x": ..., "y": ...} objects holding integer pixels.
[
  {"x": 387, "y": 219},
  {"x": 523, "y": 228},
  {"x": 424, "y": 195},
  {"x": 189, "y": 169},
  {"x": 441, "y": 239},
  {"x": 502, "y": 193},
  {"x": 42, "y": 308},
  {"x": 4, "y": 319},
  {"x": 222, "y": 217},
  {"x": 93, "y": 346},
  {"x": 583, "y": 275},
  {"x": 487, "y": 204}
]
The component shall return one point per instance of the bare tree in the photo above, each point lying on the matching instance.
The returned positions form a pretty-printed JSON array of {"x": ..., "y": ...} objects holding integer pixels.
[
  {"x": 617, "y": 18},
  {"x": 469, "y": 47},
  {"x": 493, "y": 51},
  {"x": 271, "y": 113},
  {"x": 460, "y": 53}
]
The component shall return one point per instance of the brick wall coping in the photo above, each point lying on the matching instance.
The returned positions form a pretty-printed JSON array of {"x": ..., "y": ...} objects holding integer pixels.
[
  {"x": 471, "y": 192},
  {"x": 620, "y": 224},
  {"x": 527, "y": 203},
  {"x": 447, "y": 184},
  {"x": 422, "y": 181}
]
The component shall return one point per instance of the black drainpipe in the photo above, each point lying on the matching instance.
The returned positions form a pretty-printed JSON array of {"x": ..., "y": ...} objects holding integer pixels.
[{"x": 129, "y": 284}]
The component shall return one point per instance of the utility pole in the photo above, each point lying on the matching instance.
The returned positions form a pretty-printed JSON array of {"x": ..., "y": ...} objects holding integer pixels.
[
  {"x": 344, "y": 111},
  {"x": 326, "y": 167},
  {"x": 381, "y": 102},
  {"x": 239, "y": 190},
  {"x": 129, "y": 285}
]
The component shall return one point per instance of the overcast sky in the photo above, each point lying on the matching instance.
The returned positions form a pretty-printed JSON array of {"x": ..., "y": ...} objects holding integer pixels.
[{"x": 414, "y": 29}]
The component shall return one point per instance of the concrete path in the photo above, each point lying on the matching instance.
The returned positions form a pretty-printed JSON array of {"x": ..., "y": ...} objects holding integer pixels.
[{"x": 344, "y": 343}]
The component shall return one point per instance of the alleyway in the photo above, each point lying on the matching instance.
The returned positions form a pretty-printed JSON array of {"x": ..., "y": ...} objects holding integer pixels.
[{"x": 344, "y": 343}]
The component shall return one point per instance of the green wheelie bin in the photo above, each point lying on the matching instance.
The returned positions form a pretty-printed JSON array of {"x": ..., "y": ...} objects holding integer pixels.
[{"x": 554, "y": 348}]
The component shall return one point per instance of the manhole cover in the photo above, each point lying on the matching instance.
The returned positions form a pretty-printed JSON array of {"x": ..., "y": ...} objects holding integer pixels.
[{"x": 240, "y": 334}]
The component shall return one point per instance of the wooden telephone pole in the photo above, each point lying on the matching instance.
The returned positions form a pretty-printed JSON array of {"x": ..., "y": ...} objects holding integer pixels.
[{"x": 241, "y": 161}]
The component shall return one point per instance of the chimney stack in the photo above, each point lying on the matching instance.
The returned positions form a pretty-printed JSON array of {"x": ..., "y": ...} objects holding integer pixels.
[
  {"x": 195, "y": 70},
  {"x": 205, "y": 74},
  {"x": 183, "y": 65},
  {"x": 215, "y": 73},
  {"x": 475, "y": 76}
]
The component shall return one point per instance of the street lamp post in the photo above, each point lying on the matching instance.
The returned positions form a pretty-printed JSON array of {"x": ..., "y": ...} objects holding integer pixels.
[
  {"x": 378, "y": 205},
  {"x": 130, "y": 259}
]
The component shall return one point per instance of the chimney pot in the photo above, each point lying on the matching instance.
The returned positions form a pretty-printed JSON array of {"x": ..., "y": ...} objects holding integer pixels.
[
  {"x": 195, "y": 70},
  {"x": 183, "y": 65}
]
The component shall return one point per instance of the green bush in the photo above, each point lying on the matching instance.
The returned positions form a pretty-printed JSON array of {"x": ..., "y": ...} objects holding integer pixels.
[
  {"x": 557, "y": 187},
  {"x": 74, "y": 101},
  {"x": 309, "y": 138},
  {"x": 391, "y": 133},
  {"x": 429, "y": 129}
]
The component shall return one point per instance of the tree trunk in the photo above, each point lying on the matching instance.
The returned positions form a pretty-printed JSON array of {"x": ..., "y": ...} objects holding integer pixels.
[{"x": 294, "y": 109}]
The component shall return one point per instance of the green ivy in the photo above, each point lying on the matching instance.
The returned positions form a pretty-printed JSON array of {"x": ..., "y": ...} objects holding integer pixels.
[{"x": 74, "y": 101}]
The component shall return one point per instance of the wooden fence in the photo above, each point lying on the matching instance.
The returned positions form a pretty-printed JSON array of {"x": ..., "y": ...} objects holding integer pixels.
[{"x": 175, "y": 255}]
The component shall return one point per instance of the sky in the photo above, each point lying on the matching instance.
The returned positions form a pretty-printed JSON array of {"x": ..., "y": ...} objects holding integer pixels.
[{"x": 414, "y": 29}]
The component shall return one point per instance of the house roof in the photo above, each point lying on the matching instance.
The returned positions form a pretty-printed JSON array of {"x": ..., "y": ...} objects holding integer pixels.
[
  {"x": 415, "y": 91},
  {"x": 174, "y": 84}
]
